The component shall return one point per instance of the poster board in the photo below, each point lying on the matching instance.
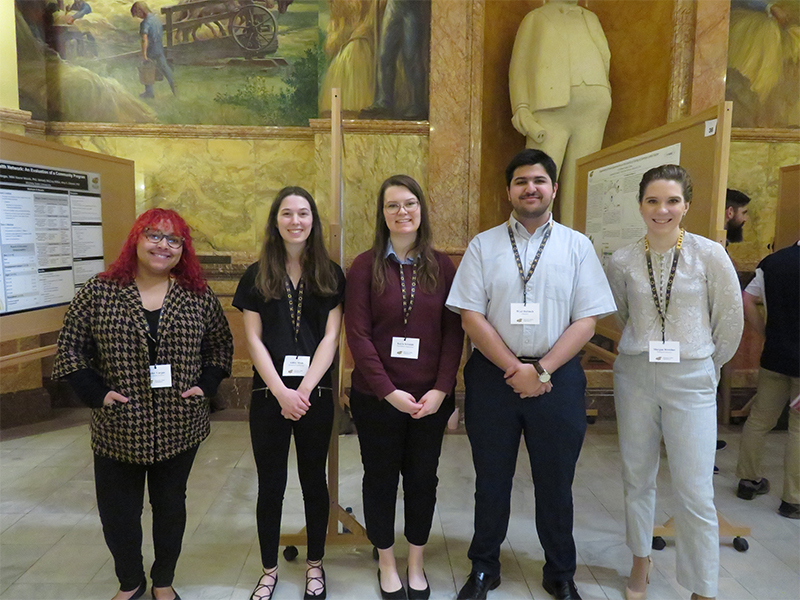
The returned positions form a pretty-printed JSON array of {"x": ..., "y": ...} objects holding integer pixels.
[
  {"x": 117, "y": 206},
  {"x": 703, "y": 144},
  {"x": 787, "y": 215}
]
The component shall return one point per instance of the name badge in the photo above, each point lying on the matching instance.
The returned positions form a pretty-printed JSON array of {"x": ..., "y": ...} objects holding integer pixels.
[
  {"x": 665, "y": 352},
  {"x": 160, "y": 376},
  {"x": 405, "y": 347},
  {"x": 524, "y": 314},
  {"x": 296, "y": 366}
]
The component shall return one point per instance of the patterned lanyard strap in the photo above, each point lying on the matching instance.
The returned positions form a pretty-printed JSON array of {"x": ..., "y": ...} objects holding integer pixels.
[
  {"x": 527, "y": 278},
  {"x": 663, "y": 313},
  {"x": 295, "y": 315},
  {"x": 408, "y": 301}
]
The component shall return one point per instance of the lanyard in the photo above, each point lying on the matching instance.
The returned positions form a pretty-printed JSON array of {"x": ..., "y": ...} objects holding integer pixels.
[
  {"x": 527, "y": 278},
  {"x": 668, "y": 292},
  {"x": 408, "y": 302},
  {"x": 295, "y": 316}
]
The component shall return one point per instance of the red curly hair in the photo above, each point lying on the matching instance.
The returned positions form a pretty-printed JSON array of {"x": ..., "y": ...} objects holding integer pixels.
[{"x": 187, "y": 272}]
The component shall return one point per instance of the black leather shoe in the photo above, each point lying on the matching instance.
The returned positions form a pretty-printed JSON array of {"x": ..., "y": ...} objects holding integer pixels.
[
  {"x": 415, "y": 594},
  {"x": 395, "y": 595},
  {"x": 153, "y": 594},
  {"x": 478, "y": 585},
  {"x": 561, "y": 590},
  {"x": 749, "y": 489}
]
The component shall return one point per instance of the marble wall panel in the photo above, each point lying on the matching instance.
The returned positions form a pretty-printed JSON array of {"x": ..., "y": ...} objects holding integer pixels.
[
  {"x": 222, "y": 187},
  {"x": 368, "y": 160},
  {"x": 710, "y": 53},
  {"x": 754, "y": 168}
]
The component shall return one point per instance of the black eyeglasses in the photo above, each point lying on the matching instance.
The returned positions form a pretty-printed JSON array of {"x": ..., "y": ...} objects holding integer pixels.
[{"x": 155, "y": 236}]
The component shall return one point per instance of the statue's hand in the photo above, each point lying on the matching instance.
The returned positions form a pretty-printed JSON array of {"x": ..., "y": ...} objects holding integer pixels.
[{"x": 524, "y": 122}]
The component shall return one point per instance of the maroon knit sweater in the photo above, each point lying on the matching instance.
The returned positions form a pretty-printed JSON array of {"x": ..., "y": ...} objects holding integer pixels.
[{"x": 371, "y": 320}]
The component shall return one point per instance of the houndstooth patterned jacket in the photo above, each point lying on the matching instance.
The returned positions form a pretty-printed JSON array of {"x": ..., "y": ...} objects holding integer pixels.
[{"x": 105, "y": 329}]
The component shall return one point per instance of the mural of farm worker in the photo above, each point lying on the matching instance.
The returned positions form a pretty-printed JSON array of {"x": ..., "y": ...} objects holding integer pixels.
[
  {"x": 152, "y": 33},
  {"x": 764, "y": 63},
  {"x": 560, "y": 93},
  {"x": 80, "y": 8},
  {"x": 404, "y": 34},
  {"x": 349, "y": 46}
]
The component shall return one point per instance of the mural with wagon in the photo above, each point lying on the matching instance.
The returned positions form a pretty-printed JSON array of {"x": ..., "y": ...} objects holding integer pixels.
[{"x": 234, "y": 62}]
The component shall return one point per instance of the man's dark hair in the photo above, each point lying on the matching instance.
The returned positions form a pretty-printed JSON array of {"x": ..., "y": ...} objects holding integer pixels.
[
  {"x": 529, "y": 156},
  {"x": 736, "y": 199}
]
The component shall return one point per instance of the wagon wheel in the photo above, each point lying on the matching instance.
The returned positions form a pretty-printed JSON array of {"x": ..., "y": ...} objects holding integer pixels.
[{"x": 253, "y": 28}]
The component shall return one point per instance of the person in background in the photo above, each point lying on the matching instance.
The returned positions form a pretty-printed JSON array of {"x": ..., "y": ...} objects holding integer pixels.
[
  {"x": 777, "y": 284},
  {"x": 292, "y": 305},
  {"x": 407, "y": 347},
  {"x": 144, "y": 344},
  {"x": 735, "y": 214},
  {"x": 678, "y": 301}
]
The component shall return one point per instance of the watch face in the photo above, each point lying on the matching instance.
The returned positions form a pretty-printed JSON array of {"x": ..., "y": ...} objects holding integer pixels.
[{"x": 544, "y": 377}]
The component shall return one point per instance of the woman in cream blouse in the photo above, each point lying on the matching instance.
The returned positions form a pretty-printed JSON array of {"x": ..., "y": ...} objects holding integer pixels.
[{"x": 680, "y": 304}]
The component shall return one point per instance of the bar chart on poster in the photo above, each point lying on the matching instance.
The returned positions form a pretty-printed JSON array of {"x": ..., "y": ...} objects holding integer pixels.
[{"x": 51, "y": 234}]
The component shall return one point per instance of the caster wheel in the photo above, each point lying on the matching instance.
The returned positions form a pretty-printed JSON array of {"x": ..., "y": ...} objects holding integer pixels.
[
  {"x": 290, "y": 553},
  {"x": 374, "y": 553},
  {"x": 740, "y": 544},
  {"x": 591, "y": 420},
  {"x": 659, "y": 543},
  {"x": 737, "y": 420}
]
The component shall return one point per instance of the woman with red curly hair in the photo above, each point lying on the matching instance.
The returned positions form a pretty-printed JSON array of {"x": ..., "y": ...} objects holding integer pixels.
[{"x": 145, "y": 344}]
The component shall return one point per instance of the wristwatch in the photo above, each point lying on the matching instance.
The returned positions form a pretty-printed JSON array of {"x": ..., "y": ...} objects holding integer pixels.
[{"x": 544, "y": 376}]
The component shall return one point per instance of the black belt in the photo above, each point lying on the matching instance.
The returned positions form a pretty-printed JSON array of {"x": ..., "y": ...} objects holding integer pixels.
[{"x": 528, "y": 359}]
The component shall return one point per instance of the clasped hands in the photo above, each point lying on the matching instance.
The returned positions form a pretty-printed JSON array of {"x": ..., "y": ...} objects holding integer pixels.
[
  {"x": 524, "y": 380},
  {"x": 427, "y": 405}
]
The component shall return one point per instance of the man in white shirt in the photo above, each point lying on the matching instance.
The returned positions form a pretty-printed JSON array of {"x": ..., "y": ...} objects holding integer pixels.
[{"x": 529, "y": 293}]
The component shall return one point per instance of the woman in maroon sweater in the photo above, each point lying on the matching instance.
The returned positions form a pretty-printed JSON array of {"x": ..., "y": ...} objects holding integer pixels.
[{"x": 407, "y": 348}]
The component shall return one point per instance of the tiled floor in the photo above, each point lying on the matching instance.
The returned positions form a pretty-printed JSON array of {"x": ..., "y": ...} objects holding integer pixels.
[{"x": 51, "y": 545}]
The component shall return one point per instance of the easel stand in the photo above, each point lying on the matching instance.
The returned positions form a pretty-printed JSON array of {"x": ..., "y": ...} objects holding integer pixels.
[
  {"x": 353, "y": 533},
  {"x": 726, "y": 529}
]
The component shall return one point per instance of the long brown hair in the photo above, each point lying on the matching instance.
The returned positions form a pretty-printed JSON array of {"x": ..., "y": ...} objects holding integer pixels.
[
  {"x": 318, "y": 272},
  {"x": 427, "y": 266}
]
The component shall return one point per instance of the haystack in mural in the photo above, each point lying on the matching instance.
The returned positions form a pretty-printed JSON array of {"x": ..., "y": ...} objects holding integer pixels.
[{"x": 764, "y": 63}]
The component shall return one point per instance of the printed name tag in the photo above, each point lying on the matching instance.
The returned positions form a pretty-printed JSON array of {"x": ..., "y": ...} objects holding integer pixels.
[
  {"x": 524, "y": 314},
  {"x": 296, "y": 366},
  {"x": 160, "y": 376},
  {"x": 405, "y": 347},
  {"x": 665, "y": 352}
]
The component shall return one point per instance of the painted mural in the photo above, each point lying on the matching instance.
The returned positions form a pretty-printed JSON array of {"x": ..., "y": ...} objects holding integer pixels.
[
  {"x": 764, "y": 63},
  {"x": 225, "y": 62}
]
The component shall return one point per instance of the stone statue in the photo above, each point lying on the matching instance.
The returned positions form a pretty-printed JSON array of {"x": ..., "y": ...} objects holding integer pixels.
[{"x": 560, "y": 93}]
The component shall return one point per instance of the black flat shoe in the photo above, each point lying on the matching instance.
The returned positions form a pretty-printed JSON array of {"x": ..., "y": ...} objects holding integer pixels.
[
  {"x": 266, "y": 585},
  {"x": 478, "y": 585},
  {"x": 139, "y": 590},
  {"x": 561, "y": 590},
  {"x": 415, "y": 594},
  {"x": 153, "y": 594},
  {"x": 395, "y": 595},
  {"x": 323, "y": 592}
]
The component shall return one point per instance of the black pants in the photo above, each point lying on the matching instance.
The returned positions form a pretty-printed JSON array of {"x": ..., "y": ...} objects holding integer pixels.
[
  {"x": 554, "y": 426},
  {"x": 392, "y": 442},
  {"x": 271, "y": 435},
  {"x": 120, "y": 497}
]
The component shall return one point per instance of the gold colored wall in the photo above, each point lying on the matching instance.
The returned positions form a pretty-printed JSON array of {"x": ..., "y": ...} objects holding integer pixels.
[
  {"x": 639, "y": 36},
  {"x": 755, "y": 170},
  {"x": 9, "y": 94}
]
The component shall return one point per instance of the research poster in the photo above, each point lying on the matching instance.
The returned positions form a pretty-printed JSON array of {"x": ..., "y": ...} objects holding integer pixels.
[
  {"x": 51, "y": 234},
  {"x": 612, "y": 200}
]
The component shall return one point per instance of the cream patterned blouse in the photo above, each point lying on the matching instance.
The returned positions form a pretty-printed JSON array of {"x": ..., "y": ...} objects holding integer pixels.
[{"x": 705, "y": 311}]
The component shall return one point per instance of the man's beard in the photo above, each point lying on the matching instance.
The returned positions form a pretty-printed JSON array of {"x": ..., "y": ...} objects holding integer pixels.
[{"x": 735, "y": 233}]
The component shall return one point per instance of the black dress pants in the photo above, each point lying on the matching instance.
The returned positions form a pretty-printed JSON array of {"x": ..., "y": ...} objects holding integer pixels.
[
  {"x": 271, "y": 435},
  {"x": 392, "y": 442},
  {"x": 120, "y": 497},
  {"x": 554, "y": 426}
]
